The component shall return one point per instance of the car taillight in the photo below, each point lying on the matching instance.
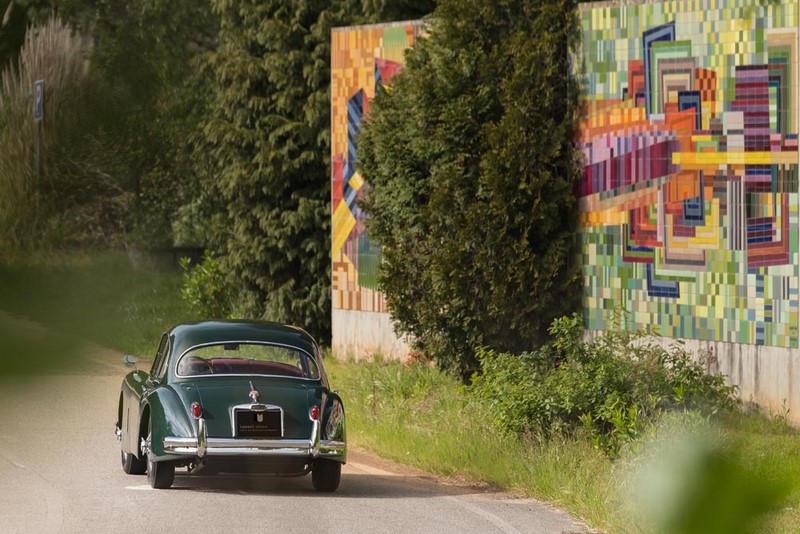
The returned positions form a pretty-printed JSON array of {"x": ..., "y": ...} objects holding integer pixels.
[
  {"x": 197, "y": 410},
  {"x": 313, "y": 413}
]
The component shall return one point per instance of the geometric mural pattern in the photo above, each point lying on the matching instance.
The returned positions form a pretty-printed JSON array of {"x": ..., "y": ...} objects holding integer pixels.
[
  {"x": 362, "y": 59},
  {"x": 689, "y": 196}
]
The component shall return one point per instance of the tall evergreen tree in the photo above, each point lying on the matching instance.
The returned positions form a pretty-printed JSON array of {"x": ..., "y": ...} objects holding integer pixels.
[
  {"x": 268, "y": 151},
  {"x": 269, "y": 139},
  {"x": 471, "y": 163}
]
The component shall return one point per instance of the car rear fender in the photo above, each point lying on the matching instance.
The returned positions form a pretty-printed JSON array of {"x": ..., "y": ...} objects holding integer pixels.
[
  {"x": 129, "y": 413},
  {"x": 333, "y": 420},
  {"x": 169, "y": 418}
]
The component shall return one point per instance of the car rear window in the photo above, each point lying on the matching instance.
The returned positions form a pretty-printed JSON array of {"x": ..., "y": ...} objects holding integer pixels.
[{"x": 247, "y": 359}]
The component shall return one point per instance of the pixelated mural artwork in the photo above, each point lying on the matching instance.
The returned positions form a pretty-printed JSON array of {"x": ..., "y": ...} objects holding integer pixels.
[
  {"x": 362, "y": 59},
  {"x": 689, "y": 198}
]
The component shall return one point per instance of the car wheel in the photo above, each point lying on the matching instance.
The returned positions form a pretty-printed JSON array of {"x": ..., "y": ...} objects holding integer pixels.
[
  {"x": 160, "y": 475},
  {"x": 326, "y": 475},
  {"x": 131, "y": 464}
]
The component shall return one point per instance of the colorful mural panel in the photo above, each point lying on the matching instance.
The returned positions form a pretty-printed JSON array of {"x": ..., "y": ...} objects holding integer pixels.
[
  {"x": 689, "y": 198},
  {"x": 362, "y": 59}
]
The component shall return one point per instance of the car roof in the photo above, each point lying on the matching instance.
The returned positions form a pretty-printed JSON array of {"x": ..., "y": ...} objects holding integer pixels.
[{"x": 187, "y": 335}]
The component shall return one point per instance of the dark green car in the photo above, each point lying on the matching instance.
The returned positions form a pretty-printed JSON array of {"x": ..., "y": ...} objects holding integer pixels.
[{"x": 233, "y": 397}]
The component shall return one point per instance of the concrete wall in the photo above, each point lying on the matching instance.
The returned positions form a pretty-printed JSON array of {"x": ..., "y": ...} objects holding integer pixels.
[
  {"x": 767, "y": 376},
  {"x": 362, "y": 334}
]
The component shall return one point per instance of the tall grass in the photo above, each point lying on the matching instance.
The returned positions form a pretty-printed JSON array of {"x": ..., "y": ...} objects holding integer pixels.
[
  {"x": 419, "y": 416},
  {"x": 52, "y": 52},
  {"x": 79, "y": 193}
]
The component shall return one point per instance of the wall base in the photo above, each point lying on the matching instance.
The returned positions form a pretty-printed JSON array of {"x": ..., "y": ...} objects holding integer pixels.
[
  {"x": 766, "y": 376},
  {"x": 361, "y": 334}
]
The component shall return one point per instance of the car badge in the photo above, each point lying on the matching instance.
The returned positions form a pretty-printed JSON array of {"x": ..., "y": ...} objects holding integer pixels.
[
  {"x": 260, "y": 417},
  {"x": 253, "y": 393}
]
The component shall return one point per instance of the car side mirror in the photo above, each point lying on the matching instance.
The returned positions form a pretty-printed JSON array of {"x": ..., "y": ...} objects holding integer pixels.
[{"x": 129, "y": 360}]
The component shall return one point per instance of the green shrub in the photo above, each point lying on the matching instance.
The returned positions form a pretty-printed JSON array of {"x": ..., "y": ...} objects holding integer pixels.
[
  {"x": 205, "y": 288},
  {"x": 612, "y": 387}
]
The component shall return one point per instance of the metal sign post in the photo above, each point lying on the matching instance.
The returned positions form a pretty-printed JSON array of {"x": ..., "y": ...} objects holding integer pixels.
[
  {"x": 38, "y": 100},
  {"x": 38, "y": 115}
]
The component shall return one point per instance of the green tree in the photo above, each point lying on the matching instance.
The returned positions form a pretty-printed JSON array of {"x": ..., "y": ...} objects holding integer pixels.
[
  {"x": 267, "y": 152},
  {"x": 395, "y": 10},
  {"x": 147, "y": 53},
  {"x": 267, "y": 141},
  {"x": 471, "y": 163}
]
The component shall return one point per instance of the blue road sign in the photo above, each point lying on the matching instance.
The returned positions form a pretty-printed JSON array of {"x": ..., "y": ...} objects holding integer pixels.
[{"x": 38, "y": 100}]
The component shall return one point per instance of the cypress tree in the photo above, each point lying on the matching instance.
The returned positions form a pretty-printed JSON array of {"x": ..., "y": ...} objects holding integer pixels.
[
  {"x": 471, "y": 163},
  {"x": 267, "y": 150},
  {"x": 268, "y": 139}
]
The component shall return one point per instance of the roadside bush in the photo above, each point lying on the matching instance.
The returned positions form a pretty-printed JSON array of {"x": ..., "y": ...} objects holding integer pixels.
[
  {"x": 613, "y": 386},
  {"x": 205, "y": 288}
]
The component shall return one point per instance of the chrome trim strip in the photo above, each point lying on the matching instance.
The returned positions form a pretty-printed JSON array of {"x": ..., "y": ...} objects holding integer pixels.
[
  {"x": 205, "y": 446},
  {"x": 332, "y": 448},
  {"x": 316, "y": 434},
  {"x": 202, "y": 437},
  {"x": 225, "y": 375},
  {"x": 245, "y": 447}
]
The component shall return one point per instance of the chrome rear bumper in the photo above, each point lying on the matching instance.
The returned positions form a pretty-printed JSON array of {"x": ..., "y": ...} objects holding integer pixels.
[{"x": 203, "y": 446}]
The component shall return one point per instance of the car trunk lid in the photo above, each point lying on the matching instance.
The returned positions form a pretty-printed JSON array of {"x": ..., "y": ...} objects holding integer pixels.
[{"x": 220, "y": 396}]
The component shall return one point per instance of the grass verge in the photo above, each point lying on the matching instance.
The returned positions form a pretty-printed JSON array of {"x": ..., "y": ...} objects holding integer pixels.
[{"x": 418, "y": 416}]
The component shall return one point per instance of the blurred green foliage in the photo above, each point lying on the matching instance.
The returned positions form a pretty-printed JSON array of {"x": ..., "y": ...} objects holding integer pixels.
[
  {"x": 692, "y": 477},
  {"x": 99, "y": 298},
  {"x": 13, "y": 23},
  {"x": 58, "y": 180},
  {"x": 29, "y": 350},
  {"x": 117, "y": 164}
]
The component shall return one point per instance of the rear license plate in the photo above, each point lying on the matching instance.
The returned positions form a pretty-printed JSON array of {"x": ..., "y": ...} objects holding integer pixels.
[{"x": 258, "y": 424}]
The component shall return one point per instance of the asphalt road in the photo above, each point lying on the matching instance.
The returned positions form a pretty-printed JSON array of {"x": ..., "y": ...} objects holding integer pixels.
[{"x": 60, "y": 472}]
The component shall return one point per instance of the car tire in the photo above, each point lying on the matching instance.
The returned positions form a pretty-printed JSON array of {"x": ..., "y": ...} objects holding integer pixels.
[
  {"x": 326, "y": 475},
  {"x": 160, "y": 475},
  {"x": 131, "y": 464}
]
